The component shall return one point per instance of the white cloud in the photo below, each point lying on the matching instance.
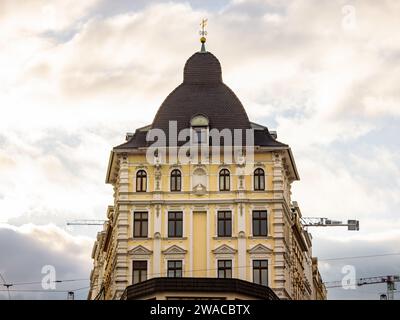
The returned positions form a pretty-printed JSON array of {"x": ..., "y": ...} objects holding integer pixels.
[
  {"x": 73, "y": 82},
  {"x": 35, "y": 16}
]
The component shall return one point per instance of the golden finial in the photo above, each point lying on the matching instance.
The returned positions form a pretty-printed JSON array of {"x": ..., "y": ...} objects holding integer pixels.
[{"x": 203, "y": 34}]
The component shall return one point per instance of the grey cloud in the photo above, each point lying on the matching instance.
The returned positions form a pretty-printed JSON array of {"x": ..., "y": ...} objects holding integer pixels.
[
  {"x": 331, "y": 270},
  {"x": 24, "y": 254}
]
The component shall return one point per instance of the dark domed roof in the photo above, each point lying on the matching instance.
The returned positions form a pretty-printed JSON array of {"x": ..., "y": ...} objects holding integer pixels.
[{"x": 202, "y": 92}]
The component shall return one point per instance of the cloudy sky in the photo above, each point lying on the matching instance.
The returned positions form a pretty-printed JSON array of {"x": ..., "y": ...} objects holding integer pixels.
[{"x": 77, "y": 75}]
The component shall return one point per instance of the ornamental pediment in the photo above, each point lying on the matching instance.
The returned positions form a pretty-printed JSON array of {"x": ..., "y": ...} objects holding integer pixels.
[
  {"x": 174, "y": 250},
  {"x": 259, "y": 249},
  {"x": 140, "y": 251},
  {"x": 224, "y": 249}
]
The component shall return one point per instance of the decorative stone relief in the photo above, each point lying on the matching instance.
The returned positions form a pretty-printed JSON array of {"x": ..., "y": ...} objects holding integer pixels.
[
  {"x": 259, "y": 249},
  {"x": 174, "y": 250},
  {"x": 224, "y": 249},
  {"x": 140, "y": 251},
  {"x": 157, "y": 176},
  {"x": 157, "y": 236},
  {"x": 199, "y": 181},
  {"x": 199, "y": 189}
]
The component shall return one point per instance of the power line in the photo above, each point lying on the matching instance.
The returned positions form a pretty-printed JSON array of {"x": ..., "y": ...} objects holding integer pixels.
[
  {"x": 49, "y": 290},
  {"x": 361, "y": 257},
  {"x": 208, "y": 269},
  {"x": 52, "y": 281}
]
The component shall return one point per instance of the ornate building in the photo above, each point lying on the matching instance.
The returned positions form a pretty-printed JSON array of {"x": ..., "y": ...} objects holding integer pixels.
[{"x": 200, "y": 219}]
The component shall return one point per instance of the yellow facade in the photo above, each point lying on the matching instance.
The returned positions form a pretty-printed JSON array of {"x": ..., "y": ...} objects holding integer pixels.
[{"x": 199, "y": 243}]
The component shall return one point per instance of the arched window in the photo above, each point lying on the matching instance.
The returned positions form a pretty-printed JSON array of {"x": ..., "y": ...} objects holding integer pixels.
[
  {"x": 176, "y": 180},
  {"x": 259, "y": 179},
  {"x": 224, "y": 180},
  {"x": 141, "y": 181}
]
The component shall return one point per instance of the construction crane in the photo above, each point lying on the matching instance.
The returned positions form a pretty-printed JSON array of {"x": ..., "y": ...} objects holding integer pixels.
[
  {"x": 389, "y": 280},
  {"x": 85, "y": 222},
  {"x": 352, "y": 225}
]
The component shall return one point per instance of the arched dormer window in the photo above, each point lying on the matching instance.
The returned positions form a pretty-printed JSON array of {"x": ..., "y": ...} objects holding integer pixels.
[
  {"x": 141, "y": 181},
  {"x": 199, "y": 124},
  {"x": 176, "y": 180},
  {"x": 224, "y": 180},
  {"x": 259, "y": 179}
]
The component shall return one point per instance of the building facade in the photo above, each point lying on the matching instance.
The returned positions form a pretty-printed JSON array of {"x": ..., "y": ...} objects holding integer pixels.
[{"x": 232, "y": 218}]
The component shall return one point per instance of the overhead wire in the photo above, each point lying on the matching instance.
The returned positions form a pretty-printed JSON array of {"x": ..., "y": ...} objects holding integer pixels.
[{"x": 8, "y": 285}]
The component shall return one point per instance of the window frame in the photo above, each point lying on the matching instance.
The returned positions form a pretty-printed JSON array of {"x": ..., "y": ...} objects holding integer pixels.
[
  {"x": 258, "y": 232},
  {"x": 226, "y": 222},
  {"x": 174, "y": 220},
  {"x": 142, "y": 233},
  {"x": 257, "y": 271},
  {"x": 175, "y": 269},
  {"x": 224, "y": 179},
  {"x": 175, "y": 177},
  {"x": 259, "y": 178},
  {"x": 141, "y": 181},
  {"x": 142, "y": 272},
  {"x": 224, "y": 268}
]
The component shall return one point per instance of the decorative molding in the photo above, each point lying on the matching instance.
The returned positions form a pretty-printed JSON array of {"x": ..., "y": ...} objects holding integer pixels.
[
  {"x": 241, "y": 235},
  {"x": 157, "y": 176},
  {"x": 199, "y": 166},
  {"x": 259, "y": 249},
  {"x": 224, "y": 249},
  {"x": 241, "y": 161},
  {"x": 157, "y": 162},
  {"x": 259, "y": 165},
  {"x": 173, "y": 250},
  {"x": 141, "y": 167},
  {"x": 140, "y": 251},
  {"x": 175, "y": 166},
  {"x": 157, "y": 236},
  {"x": 224, "y": 238},
  {"x": 224, "y": 166},
  {"x": 199, "y": 189}
]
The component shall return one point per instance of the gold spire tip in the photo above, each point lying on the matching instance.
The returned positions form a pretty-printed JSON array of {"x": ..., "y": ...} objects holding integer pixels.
[{"x": 203, "y": 34}]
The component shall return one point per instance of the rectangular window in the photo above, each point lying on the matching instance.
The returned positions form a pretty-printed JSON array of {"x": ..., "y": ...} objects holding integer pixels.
[
  {"x": 224, "y": 224},
  {"x": 260, "y": 272},
  {"x": 260, "y": 223},
  {"x": 139, "y": 269},
  {"x": 175, "y": 269},
  {"x": 224, "y": 268},
  {"x": 175, "y": 224},
  {"x": 140, "y": 224}
]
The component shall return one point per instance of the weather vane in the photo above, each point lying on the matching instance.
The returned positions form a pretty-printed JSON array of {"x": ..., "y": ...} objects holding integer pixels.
[{"x": 203, "y": 34}]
